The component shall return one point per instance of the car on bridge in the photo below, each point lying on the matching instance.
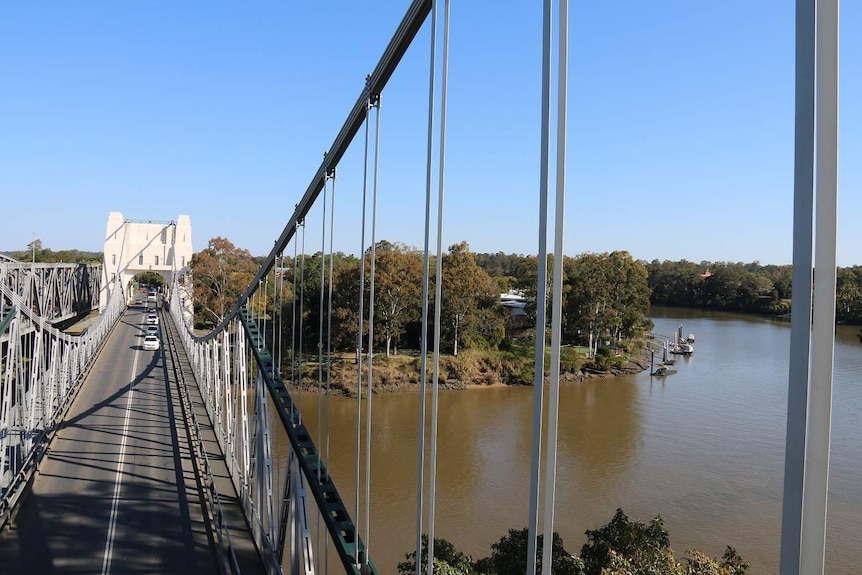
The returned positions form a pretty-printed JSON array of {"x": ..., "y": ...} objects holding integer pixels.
[
  {"x": 152, "y": 330},
  {"x": 153, "y": 319},
  {"x": 151, "y": 343}
]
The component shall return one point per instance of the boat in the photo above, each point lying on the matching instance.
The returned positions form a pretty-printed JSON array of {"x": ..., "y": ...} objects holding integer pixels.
[
  {"x": 684, "y": 349},
  {"x": 660, "y": 371}
]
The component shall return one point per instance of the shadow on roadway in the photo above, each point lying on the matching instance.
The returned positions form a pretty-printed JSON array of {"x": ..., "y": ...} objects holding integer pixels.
[{"x": 62, "y": 523}]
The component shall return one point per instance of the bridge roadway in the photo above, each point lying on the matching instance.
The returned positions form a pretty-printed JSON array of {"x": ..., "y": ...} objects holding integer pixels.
[{"x": 117, "y": 492}]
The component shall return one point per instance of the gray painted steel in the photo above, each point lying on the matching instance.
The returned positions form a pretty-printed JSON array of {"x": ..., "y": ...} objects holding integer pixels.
[
  {"x": 42, "y": 371},
  {"x": 541, "y": 291},
  {"x": 806, "y": 471},
  {"x": 53, "y": 292},
  {"x": 814, "y": 500}
]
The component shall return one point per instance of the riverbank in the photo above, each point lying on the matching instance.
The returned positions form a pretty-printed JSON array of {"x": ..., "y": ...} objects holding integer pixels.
[{"x": 471, "y": 369}]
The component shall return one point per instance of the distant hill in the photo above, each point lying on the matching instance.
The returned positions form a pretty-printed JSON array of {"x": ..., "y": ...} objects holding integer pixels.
[{"x": 49, "y": 256}]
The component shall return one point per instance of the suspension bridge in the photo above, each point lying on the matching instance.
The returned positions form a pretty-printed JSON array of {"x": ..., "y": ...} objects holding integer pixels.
[{"x": 117, "y": 459}]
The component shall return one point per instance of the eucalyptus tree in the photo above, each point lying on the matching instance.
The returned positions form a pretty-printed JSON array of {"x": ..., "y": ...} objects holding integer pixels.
[
  {"x": 467, "y": 289},
  {"x": 605, "y": 296},
  {"x": 220, "y": 273},
  {"x": 398, "y": 291}
]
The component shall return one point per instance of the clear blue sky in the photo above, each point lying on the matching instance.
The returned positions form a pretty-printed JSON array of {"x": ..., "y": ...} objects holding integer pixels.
[{"x": 680, "y": 131}]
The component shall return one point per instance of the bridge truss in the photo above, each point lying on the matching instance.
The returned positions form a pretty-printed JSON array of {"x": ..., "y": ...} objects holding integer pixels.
[
  {"x": 41, "y": 369},
  {"x": 52, "y": 292}
]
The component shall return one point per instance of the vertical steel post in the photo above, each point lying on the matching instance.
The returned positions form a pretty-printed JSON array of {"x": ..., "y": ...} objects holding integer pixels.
[
  {"x": 823, "y": 329},
  {"x": 800, "y": 326},
  {"x": 423, "y": 342},
  {"x": 541, "y": 289},
  {"x": 438, "y": 286},
  {"x": 556, "y": 303}
]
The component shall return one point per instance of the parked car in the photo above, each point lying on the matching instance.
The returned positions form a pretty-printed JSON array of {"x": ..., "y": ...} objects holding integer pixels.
[{"x": 151, "y": 343}]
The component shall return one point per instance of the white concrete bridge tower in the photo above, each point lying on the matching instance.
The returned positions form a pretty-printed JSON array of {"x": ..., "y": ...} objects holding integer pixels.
[{"x": 135, "y": 246}]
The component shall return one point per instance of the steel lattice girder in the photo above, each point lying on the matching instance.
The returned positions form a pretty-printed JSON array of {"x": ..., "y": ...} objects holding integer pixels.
[{"x": 53, "y": 292}]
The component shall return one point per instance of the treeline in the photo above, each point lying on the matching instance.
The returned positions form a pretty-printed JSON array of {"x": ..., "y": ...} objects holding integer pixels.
[
  {"x": 605, "y": 296},
  {"x": 718, "y": 285},
  {"x": 727, "y": 286},
  {"x": 724, "y": 286},
  {"x": 622, "y": 547},
  {"x": 750, "y": 287},
  {"x": 35, "y": 252},
  {"x": 470, "y": 314}
]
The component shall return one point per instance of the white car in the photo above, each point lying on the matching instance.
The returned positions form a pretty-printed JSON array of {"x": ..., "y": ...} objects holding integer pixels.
[
  {"x": 153, "y": 319},
  {"x": 151, "y": 343}
]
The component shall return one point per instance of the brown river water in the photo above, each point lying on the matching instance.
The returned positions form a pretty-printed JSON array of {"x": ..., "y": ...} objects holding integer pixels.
[{"x": 704, "y": 448}]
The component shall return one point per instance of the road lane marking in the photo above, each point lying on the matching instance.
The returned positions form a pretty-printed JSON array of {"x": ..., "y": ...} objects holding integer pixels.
[{"x": 118, "y": 480}]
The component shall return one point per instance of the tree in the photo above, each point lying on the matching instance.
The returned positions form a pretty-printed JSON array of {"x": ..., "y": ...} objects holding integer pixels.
[
  {"x": 466, "y": 288},
  {"x": 698, "y": 563},
  {"x": 605, "y": 296},
  {"x": 676, "y": 283},
  {"x": 623, "y": 543},
  {"x": 509, "y": 556},
  {"x": 345, "y": 303},
  {"x": 848, "y": 304},
  {"x": 220, "y": 273},
  {"x": 34, "y": 248},
  {"x": 624, "y": 547},
  {"x": 447, "y": 560},
  {"x": 398, "y": 290},
  {"x": 150, "y": 278}
]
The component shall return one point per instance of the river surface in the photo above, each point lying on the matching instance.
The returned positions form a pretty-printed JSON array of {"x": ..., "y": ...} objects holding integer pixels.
[{"x": 704, "y": 448}]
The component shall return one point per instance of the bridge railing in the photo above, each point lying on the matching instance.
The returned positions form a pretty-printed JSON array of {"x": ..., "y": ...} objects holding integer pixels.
[
  {"x": 242, "y": 390},
  {"x": 216, "y": 516},
  {"x": 41, "y": 371}
]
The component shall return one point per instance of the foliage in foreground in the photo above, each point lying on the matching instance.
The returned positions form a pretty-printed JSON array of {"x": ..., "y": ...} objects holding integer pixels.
[{"x": 622, "y": 547}]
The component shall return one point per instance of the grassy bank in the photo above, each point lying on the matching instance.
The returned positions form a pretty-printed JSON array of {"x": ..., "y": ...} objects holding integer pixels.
[{"x": 471, "y": 367}]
